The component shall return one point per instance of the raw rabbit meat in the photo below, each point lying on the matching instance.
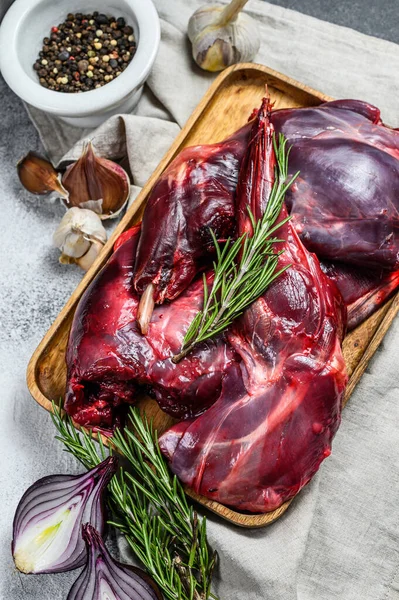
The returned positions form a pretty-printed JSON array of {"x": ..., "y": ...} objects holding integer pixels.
[
  {"x": 108, "y": 358},
  {"x": 272, "y": 426},
  {"x": 363, "y": 290},
  {"x": 345, "y": 203},
  {"x": 193, "y": 195},
  {"x": 272, "y": 385}
]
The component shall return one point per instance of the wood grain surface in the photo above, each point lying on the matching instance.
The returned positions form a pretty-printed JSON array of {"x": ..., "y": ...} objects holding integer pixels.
[{"x": 224, "y": 108}]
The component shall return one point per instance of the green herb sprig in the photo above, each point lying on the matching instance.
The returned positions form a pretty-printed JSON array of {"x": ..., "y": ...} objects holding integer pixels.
[
  {"x": 149, "y": 507},
  {"x": 236, "y": 285}
]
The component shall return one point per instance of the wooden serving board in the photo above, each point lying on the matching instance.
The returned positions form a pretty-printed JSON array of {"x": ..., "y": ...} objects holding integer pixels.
[{"x": 224, "y": 108}]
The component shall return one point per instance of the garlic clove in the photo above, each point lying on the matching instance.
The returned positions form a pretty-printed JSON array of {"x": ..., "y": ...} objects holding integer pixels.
[
  {"x": 92, "y": 178},
  {"x": 79, "y": 227},
  {"x": 38, "y": 175},
  {"x": 222, "y": 36},
  {"x": 88, "y": 259}
]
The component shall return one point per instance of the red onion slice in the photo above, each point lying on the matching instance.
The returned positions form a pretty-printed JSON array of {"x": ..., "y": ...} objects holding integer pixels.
[
  {"x": 103, "y": 577},
  {"x": 47, "y": 528}
]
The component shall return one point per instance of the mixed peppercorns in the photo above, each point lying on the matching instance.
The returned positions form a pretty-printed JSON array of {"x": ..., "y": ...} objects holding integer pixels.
[{"x": 85, "y": 52}]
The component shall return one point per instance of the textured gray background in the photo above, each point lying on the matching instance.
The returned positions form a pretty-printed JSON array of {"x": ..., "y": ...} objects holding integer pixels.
[{"x": 373, "y": 17}]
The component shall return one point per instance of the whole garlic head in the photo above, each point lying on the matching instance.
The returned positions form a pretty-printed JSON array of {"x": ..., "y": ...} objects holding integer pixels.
[
  {"x": 80, "y": 234},
  {"x": 222, "y": 36}
]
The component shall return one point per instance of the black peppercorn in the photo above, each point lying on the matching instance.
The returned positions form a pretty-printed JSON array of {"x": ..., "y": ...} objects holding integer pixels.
[
  {"x": 63, "y": 56},
  {"x": 102, "y": 20}
]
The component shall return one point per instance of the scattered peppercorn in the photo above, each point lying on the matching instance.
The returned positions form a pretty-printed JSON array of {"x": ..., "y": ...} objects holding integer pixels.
[{"x": 73, "y": 59}]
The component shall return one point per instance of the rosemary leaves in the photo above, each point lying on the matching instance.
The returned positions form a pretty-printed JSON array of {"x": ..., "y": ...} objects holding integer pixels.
[
  {"x": 150, "y": 508},
  {"x": 244, "y": 269}
]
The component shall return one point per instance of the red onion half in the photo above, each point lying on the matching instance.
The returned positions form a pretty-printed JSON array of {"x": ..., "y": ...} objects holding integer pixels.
[
  {"x": 105, "y": 578},
  {"x": 47, "y": 528}
]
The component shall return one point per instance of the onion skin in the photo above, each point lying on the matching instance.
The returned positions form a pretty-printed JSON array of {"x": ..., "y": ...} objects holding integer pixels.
[
  {"x": 47, "y": 527},
  {"x": 103, "y": 577}
]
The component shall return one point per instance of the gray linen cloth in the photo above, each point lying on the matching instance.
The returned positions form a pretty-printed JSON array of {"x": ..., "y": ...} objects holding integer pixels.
[{"x": 339, "y": 539}]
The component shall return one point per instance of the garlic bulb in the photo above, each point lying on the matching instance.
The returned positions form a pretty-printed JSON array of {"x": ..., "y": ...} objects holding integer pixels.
[
  {"x": 222, "y": 36},
  {"x": 38, "y": 175},
  {"x": 96, "y": 183},
  {"x": 80, "y": 236}
]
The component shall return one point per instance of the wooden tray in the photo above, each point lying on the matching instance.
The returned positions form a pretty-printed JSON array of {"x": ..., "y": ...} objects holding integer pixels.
[{"x": 224, "y": 108}]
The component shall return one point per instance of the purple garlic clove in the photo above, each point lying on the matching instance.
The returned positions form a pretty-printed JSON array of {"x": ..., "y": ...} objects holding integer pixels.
[{"x": 97, "y": 184}]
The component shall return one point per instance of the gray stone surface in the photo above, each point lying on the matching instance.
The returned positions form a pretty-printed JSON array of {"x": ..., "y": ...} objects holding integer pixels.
[
  {"x": 373, "y": 17},
  {"x": 24, "y": 317}
]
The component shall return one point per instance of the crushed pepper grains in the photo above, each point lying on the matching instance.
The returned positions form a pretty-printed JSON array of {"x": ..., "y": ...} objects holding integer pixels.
[{"x": 73, "y": 59}]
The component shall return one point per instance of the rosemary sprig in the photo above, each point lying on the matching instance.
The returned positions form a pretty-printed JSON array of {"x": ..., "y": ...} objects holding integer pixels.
[
  {"x": 149, "y": 507},
  {"x": 236, "y": 285}
]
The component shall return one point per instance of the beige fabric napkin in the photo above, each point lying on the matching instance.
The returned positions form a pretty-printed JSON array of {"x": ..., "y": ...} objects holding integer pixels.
[{"x": 339, "y": 539}]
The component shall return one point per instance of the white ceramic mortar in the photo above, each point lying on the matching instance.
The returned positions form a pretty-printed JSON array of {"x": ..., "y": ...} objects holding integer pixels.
[{"x": 22, "y": 31}]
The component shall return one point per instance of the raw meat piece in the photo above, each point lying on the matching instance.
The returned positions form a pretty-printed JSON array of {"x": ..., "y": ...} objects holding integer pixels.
[
  {"x": 344, "y": 205},
  {"x": 255, "y": 183},
  {"x": 194, "y": 194},
  {"x": 345, "y": 202},
  {"x": 272, "y": 426},
  {"x": 363, "y": 290},
  {"x": 108, "y": 358}
]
